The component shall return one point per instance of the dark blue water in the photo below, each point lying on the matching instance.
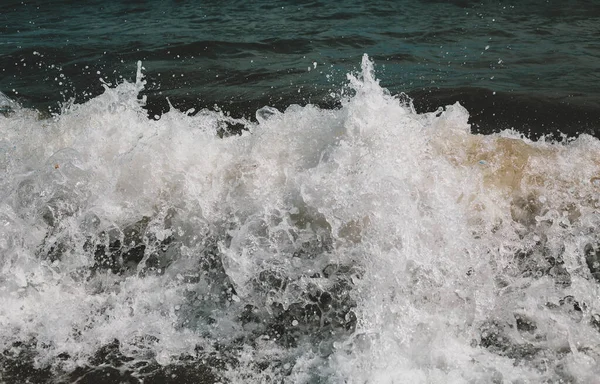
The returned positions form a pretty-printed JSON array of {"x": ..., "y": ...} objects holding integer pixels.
[{"x": 531, "y": 66}]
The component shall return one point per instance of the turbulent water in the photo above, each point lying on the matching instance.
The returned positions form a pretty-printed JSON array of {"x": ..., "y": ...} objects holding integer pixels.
[
  {"x": 367, "y": 243},
  {"x": 316, "y": 225}
]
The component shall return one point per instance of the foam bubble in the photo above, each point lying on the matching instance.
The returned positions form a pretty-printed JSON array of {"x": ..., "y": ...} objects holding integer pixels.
[{"x": 364, "y": 244}]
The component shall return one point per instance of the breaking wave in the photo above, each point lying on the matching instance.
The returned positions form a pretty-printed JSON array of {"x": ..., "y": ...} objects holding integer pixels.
[{"x": 362, "y": 244}]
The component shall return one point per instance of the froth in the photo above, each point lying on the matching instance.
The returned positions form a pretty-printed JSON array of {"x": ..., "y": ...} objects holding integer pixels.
[{"x": 366, "y": 243}]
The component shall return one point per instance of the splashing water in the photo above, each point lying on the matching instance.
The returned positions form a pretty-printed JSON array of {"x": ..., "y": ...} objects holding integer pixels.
[{"x": 365, "y": 244}]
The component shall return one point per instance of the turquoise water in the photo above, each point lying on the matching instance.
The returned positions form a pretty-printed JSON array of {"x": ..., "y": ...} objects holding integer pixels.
[{"x": 242, "y": 56}]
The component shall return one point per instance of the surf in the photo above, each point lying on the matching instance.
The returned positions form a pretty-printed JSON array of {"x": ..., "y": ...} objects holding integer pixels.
[{"x": 364, "y": 243}]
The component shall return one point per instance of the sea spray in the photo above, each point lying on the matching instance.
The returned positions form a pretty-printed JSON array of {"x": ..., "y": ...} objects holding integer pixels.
[{"x": 366, "y": 243}]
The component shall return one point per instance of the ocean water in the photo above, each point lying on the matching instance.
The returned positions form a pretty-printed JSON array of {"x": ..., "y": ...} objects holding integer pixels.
[{"x": 299, "y": 192}]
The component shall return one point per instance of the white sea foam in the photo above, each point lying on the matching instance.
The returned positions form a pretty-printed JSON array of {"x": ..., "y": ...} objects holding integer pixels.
[{"x": 368, "y": 243}]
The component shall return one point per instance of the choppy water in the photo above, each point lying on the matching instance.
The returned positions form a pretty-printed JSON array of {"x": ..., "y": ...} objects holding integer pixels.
[
  {"x": 527, "y": 66},
  {"x": 359, "y": 241}
]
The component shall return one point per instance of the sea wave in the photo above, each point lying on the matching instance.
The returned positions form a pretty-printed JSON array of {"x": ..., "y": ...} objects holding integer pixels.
[{"x": 364, "y": 243}]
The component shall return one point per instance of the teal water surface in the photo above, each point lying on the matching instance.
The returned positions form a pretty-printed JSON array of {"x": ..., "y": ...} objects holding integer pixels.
[{"x": 243, "y": 55}]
